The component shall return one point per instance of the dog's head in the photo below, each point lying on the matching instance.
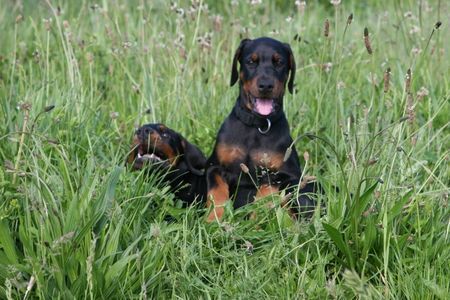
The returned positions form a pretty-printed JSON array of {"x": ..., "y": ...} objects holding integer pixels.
[
  {"x": 156, "y": 143},
  {"x": 265, "y": 67}
]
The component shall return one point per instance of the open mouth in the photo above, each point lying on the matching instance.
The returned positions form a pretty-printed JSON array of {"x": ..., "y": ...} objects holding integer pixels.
[
  {"x": 151, "y": 156},
  {"x": 263, "y": 106},
  {"x": 142, "y": 154}
]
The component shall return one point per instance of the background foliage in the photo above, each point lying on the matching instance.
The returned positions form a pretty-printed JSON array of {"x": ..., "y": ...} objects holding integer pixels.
[{"x": 77, "y": 77}]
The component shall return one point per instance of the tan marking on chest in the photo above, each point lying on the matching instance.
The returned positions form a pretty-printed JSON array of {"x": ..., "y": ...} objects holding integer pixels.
[
  {"x": 228, "y": 154},
  {"x": 267, "y": 159}
]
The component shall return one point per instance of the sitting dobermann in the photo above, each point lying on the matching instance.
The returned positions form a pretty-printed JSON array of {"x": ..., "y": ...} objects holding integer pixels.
[
  {"x": 248, "y": 161},
  {"x": 182, "y": 163}
]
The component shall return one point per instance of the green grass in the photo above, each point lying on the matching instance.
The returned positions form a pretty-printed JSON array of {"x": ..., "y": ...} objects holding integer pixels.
[{"x": 75, "y": 223}]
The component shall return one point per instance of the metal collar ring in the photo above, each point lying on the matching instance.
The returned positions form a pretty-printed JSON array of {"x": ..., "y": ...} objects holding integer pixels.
[{"x": 269, "y": 124}]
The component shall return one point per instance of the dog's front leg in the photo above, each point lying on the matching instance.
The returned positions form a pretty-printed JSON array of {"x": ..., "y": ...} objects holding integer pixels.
[{"x": 218, "y": 194}]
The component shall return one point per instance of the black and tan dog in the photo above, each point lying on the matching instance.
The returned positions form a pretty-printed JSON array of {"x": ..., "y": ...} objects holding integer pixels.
[
  {"x": 252, "y": 141},
  {"x": 163, "y": 149}
]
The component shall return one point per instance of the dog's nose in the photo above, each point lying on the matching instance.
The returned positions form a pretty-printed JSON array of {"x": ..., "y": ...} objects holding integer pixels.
[
  {"x": 265, "y": 85},
  {"x": 144, "y": 131}
]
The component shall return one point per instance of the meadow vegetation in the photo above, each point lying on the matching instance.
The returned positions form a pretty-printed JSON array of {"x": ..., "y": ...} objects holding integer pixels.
[{"x": 370, "y": 115}]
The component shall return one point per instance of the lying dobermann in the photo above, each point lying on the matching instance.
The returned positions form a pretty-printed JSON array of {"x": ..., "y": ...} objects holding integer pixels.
[
  {"x": 252, "y": 141},
  {"x": 182, "y": 163}
]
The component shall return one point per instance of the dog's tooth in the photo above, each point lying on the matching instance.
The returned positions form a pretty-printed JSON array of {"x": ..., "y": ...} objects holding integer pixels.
[{"x": 152, "y": 156}]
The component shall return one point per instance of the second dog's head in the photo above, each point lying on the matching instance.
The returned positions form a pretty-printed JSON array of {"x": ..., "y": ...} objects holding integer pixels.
[{"x": 156, "y": 143}]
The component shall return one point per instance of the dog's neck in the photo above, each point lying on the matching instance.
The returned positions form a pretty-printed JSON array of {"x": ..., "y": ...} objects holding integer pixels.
[{"x": 252, "y": 119}]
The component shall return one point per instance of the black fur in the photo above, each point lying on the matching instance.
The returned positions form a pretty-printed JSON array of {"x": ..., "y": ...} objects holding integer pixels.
[
  {"x": 181, "y": 162},
  {"x": 266, "y": 66}
]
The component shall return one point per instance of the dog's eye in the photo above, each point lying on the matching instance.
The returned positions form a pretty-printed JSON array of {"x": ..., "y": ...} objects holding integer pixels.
[
  {"x": 278, "y": 62},
  {"x": 164, "y": 134},
  {"x": 251, "y": 62}
]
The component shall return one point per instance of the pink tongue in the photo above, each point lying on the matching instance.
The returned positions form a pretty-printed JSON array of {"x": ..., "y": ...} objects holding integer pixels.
[{"x": 263, "y": 106}]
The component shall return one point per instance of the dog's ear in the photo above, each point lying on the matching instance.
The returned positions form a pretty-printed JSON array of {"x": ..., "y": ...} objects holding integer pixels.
[
  {"x": 237, "y": 56},
  {"x": 193, "y": 157},
  {"x": 292, "y": 68}
]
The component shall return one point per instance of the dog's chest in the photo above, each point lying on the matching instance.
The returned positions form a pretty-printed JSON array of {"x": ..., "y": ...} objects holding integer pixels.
[{"x": 256, "y": 151}]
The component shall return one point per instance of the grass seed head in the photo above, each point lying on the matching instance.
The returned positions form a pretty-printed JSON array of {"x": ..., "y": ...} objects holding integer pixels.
[
  {"x": 416, "y": 51},
  {"x": 335, "y": 2},
  {"x": 52, "y": 142},
  {"x": 387, "y": 77},
  {"x": 408, "y": 81},
  {"x": 377, "y": 195},
  {"x": 64, "y": 239},
  {"x": 326, "y": 30},
  {"x": 136, "y": 88},
  {"x": 114, "y": 115},
  {"x": 155, "y": 231},
  {"x": 301, "y": 5},
  {"x": 248, "y": 247},
  {"x": 422, "y": 93},
  {"x": 244, "y": 168},
  {"x": 307, "y": 179},
  {"x": 9, "y": 165},
  {"x": 217, "y": 22},
  {"x": 350, "y": 19},
  {"x": 410, "y": 111},
  {"x": 49, "y": 108},
  {"x": 227, "y": 227},
  {"x": 367, "y": 41},
  {"x": 90, "y": 57},
  {"x": 306, "y": 155},
  {"x": 372, "y": 161},
  {"x": 414, "y": 29},
  {"x": 25, "y": 106},
  {"x": 19, "y": 19},
  {"x": 47, "y": 23},
  {"x": 408, "y": 14},
  {"x": 368, "y": 212},
  {"x": 327, "y": 66}
]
